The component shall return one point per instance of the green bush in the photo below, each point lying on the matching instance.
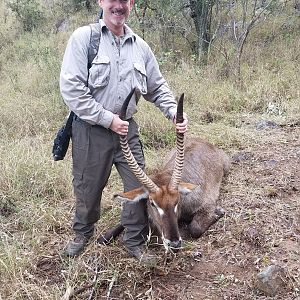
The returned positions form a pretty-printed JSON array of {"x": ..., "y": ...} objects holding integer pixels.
[{"x": 29, "y": 13}]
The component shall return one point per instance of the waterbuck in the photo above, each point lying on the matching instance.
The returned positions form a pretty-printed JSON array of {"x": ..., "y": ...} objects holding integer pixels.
[{"x": 184, "y": 191}]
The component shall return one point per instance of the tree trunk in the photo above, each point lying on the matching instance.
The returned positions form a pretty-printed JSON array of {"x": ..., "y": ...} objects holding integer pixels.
[{"x": 201, "y": 11}]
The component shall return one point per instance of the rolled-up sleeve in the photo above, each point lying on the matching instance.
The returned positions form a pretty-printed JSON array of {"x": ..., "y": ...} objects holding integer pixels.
[
  {"x": 159, "y": 92},
  {"x": 73, "y": 81}
]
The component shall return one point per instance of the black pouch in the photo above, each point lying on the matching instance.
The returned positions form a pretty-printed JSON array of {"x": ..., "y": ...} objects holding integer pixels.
[{"x": 62, "y": 140}]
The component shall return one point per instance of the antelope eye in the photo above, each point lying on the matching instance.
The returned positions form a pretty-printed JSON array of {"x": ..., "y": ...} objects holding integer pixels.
[
  {"x": 152, "y": 203},
  {"x": 160, "y": 211}
]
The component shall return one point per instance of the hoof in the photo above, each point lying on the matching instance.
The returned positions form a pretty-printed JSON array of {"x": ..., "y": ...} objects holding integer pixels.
[
  {"x": 110, "y": 235},
  {"x": 220, "y": 212}
]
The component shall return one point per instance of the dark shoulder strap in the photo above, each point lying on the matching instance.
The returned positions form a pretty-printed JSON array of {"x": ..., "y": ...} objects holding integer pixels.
[
  {"x": 92, "y": 52},
  {"x": 94, "y": 42}
]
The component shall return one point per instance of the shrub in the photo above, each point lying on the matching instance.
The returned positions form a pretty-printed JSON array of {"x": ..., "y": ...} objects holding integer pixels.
[{"x": 29, "y": 13}]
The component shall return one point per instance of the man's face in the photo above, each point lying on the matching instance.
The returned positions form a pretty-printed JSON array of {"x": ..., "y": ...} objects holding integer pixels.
[{"x": 116, "y": 12}]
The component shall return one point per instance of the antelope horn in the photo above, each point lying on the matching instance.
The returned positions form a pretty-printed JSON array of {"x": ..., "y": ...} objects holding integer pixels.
[
  {"x": 135, "y": 168},
  {"x": 125, "y": 105},
  {"x": 177, "y": 172}
]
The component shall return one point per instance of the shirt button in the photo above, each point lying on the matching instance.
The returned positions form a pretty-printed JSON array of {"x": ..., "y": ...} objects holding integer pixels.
[{"x": 119, "y": 97}]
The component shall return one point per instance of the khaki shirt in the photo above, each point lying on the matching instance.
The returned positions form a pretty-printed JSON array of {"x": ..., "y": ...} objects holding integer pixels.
[{"x": 115, "y": 71}]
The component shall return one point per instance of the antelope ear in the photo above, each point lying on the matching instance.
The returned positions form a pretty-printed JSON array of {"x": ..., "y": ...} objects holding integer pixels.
[
  {"x": 185, "y": 188},
  {"x": 134, "y": 195}
]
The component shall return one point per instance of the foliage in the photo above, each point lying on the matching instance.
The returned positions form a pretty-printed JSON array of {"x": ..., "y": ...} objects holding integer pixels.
[
  {"x": 80, "y": 4},
  {"x": 29, "y": 13}
]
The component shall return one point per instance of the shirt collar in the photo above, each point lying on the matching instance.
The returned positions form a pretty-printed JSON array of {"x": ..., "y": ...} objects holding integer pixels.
[{"x": 129, "y": 34}]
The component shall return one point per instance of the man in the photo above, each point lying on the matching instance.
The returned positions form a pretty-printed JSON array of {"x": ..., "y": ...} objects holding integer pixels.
[{"x": 124, "y": 61}]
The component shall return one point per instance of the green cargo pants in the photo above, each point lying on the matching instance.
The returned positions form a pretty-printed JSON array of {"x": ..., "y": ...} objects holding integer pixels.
[{"x": 95, "y": 150}]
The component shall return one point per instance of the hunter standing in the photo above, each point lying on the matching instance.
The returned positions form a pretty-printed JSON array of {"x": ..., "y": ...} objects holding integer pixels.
[{"x": 124, "y": 61}]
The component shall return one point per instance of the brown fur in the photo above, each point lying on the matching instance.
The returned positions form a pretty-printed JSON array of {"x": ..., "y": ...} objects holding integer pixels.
[
  {"x": 204, "y": 166},
  {"x": 194, "y": 203}
]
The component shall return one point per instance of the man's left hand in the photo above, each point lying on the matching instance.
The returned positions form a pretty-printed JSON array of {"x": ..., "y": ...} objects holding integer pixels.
[{"x": 181, "y": 127}]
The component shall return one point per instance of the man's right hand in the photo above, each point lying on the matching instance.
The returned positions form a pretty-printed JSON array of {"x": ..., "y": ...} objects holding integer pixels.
[{"x": 119, "y": 126}]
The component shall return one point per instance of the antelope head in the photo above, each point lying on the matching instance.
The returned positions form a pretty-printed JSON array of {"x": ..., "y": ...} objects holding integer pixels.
[{"x": 163, "y": 198}]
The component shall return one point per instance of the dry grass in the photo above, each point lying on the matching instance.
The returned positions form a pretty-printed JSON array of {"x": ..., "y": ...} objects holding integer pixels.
[{"x": 260, "y": 195}]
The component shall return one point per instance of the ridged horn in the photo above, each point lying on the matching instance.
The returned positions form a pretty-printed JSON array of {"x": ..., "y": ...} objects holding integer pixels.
[
  {"x": 125, "y": 105},
  {"x": 178, "y": 167},
  {"x": 132, "y": 163}
]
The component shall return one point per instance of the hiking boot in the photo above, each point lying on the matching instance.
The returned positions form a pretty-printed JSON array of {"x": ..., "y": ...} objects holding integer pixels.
[
  {"x": 143, "y": 256},
  {"x": 76, "y": 246}
]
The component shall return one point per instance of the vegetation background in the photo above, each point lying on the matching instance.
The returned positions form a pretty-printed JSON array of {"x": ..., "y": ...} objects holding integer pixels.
[{"x": 238, "y": 64}]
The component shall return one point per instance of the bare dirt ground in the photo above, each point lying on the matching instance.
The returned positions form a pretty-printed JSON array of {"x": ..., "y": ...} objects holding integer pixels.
[{"x": 261, "y": 227}]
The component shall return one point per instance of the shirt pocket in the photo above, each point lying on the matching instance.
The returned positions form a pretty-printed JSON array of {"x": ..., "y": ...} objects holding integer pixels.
[
  {"x": 140, "y": 77},
  {"x": 99, "y": 72}
]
